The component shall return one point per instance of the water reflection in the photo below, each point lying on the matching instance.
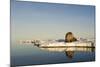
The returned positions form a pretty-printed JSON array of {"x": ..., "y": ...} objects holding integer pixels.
[
  {"x": 69, "y": 52},
  {"x": 91, "y": 49}
]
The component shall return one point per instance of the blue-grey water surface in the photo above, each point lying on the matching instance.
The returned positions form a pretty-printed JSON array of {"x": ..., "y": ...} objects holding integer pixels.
[{"x": 22, "y": 55}]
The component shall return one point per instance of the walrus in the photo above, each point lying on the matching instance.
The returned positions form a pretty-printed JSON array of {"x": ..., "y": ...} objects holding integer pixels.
[{"x": 69, "y": 37}]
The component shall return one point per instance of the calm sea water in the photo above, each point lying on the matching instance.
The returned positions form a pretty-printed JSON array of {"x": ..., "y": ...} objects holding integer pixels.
[{"x": 22, "y": 55}]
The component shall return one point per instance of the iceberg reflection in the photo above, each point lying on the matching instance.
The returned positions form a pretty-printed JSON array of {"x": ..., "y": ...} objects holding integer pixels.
[
  {"x": 69, "y": 49},
  {"x": 69, "y": 52}
]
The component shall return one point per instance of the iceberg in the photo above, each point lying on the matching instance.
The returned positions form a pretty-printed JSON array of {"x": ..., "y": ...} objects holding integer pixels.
[{"x": 60, "y": 45}]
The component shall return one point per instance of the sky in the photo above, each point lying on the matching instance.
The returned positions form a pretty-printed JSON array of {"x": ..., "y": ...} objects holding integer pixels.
[{"x": 35, "y": 20}]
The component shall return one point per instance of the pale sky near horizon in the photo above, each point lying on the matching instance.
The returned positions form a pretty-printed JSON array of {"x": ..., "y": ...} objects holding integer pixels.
[{"x": 34, "y": 20}]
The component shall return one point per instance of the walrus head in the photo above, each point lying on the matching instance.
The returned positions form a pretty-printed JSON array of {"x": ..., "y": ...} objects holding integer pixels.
[{"x": 69, "y": 37}]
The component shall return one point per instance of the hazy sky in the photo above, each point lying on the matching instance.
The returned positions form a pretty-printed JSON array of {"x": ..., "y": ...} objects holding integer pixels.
[{"x": 31, "y": 20}]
